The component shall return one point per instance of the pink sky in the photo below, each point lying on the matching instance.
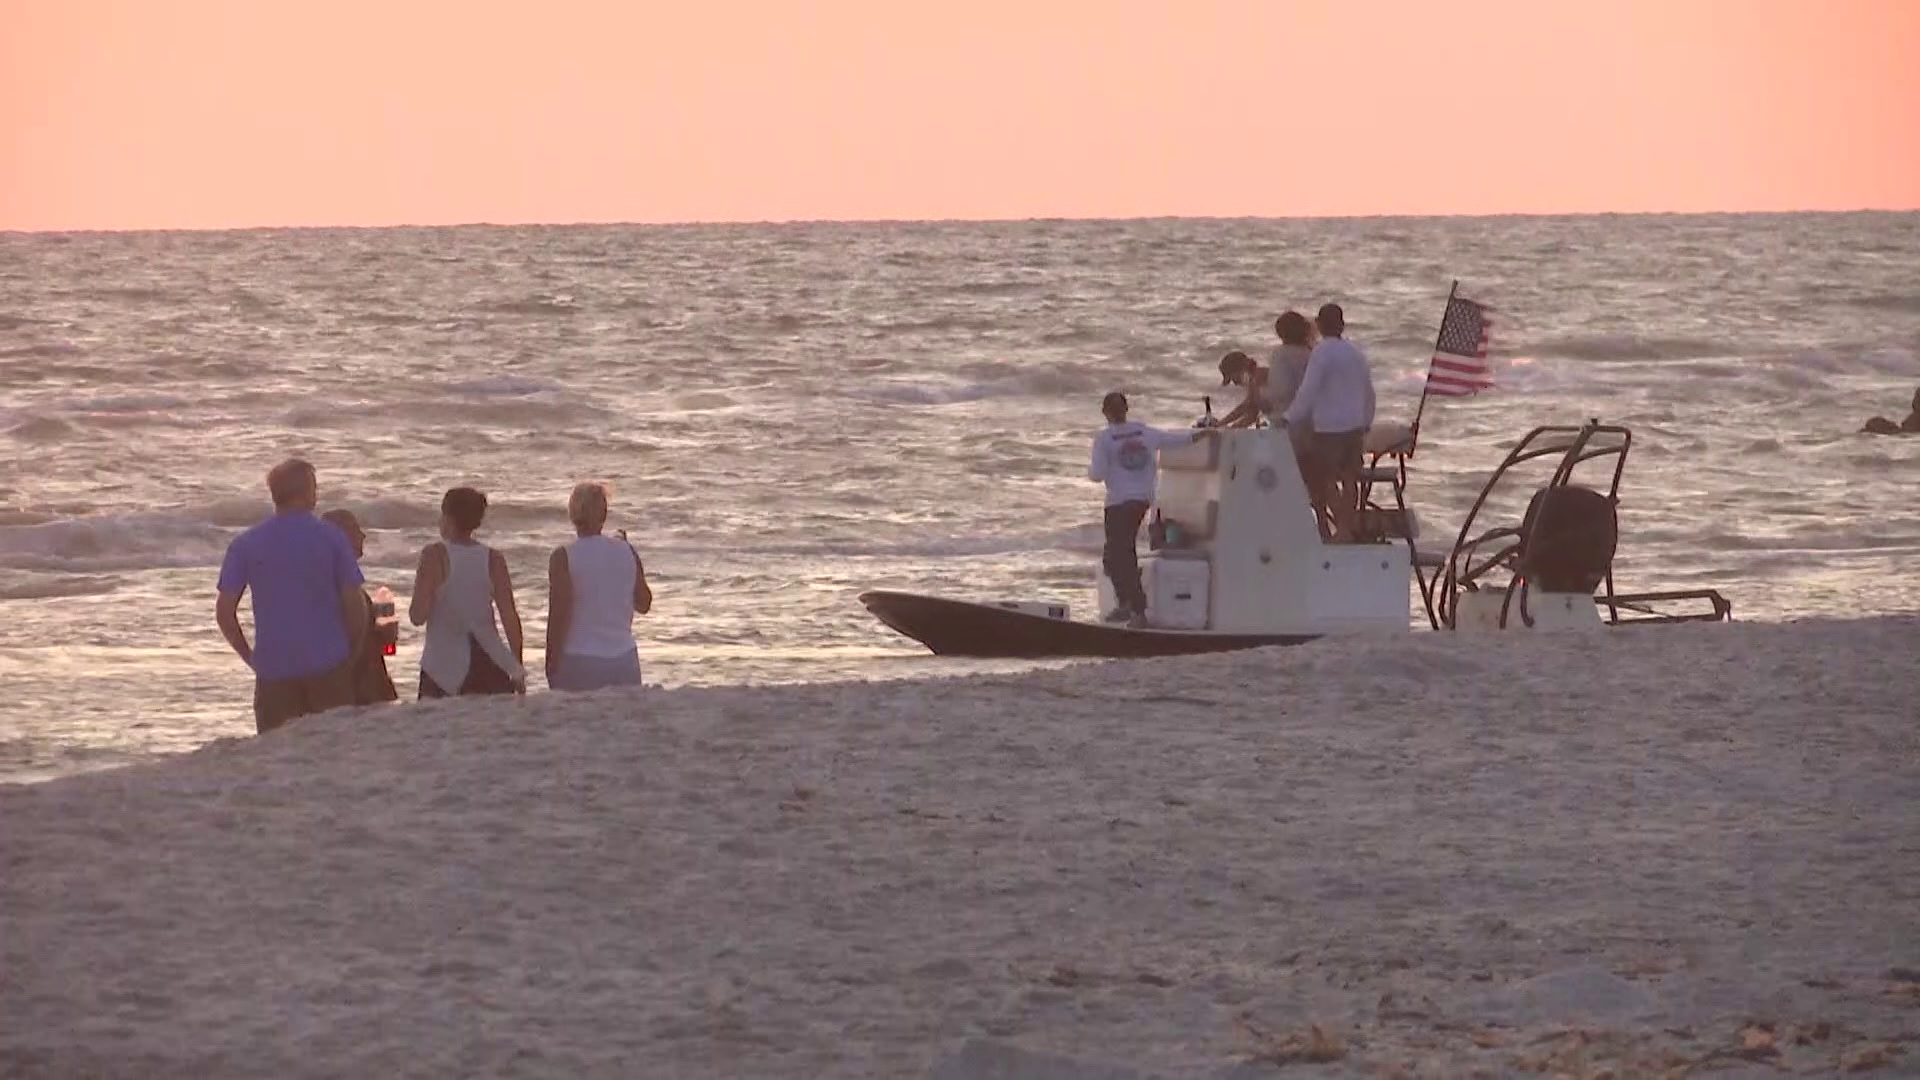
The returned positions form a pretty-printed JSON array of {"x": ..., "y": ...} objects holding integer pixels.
[{"x": 217, "y": 113}]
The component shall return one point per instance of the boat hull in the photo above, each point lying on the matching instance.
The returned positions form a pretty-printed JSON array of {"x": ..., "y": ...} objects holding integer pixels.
[{"x": 964, "y": 628}]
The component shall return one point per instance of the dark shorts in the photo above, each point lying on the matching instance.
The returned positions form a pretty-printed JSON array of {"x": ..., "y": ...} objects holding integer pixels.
[
  {"x": 276, "y": 701},
  {"x": 483, "y": 677},
  {"x": 1339, "y": 455}
]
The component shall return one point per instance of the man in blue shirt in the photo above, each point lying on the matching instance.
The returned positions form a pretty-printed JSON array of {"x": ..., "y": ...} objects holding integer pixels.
[{"x": 308, "y": 609}]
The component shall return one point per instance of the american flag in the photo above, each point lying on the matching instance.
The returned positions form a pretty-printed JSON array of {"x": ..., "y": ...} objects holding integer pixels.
[{"x": 1459, "y": 366}]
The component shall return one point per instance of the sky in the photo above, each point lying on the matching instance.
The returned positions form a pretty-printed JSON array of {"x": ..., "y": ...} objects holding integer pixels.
[{"x": 127, "y": 114}]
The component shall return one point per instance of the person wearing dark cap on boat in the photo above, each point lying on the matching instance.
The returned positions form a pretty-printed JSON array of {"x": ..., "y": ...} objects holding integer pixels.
[
  {"x": 1123, "y": 459},
  {"x": 1239, "y": 369},
  {"x": 1336, "y": 398}
]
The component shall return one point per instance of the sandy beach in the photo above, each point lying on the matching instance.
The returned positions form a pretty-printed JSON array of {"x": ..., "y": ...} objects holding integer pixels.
[{"x": 1682, "y": 851}]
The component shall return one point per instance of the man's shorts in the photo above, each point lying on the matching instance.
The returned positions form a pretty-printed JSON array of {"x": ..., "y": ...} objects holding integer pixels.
[
  {"x": 1339, "y": 455},
  {"x": 276, "y": 701}
]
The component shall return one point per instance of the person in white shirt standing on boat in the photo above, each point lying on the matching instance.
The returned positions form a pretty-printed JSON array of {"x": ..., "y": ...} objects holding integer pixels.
[
  {"x": 595, "y": 586},
  {"x": 1336, "y": 398},
  {"x": 459, "y": 584},
  {"x": 1123, "y": 459}
]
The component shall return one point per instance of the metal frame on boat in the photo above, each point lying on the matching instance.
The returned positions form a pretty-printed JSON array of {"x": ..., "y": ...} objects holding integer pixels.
[
  {"x": 1462, "y": 577},
  {"x": 1242, "y": 561}
]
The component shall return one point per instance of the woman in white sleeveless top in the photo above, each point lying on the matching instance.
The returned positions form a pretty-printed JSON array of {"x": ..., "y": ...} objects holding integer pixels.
[
  {"x": 596, "y": 584},
  {"x": 459, "y": 584}
]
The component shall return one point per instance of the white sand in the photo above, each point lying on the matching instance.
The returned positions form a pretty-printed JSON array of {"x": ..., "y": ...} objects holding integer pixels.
[{"x": 1676, "y": 851}]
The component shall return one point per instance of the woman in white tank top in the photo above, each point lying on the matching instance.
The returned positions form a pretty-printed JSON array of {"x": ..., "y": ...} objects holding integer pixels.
[
  {"x": 456, "y": 589},
  {"x": 595, "y": 585}
]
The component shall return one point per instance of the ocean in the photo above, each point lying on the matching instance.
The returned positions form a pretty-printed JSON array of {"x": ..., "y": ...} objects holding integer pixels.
[{"x": 790, "y": 414}]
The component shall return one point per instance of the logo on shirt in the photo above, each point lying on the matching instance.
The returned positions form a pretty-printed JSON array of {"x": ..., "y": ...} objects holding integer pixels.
[{"x": 1134, "y": 455}]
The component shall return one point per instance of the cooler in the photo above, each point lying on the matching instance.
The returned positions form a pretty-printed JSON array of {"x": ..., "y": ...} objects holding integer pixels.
[{"x": 1177, "y": 588}]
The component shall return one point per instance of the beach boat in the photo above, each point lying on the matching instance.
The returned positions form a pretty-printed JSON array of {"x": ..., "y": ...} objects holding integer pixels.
[{"x": 1237, "y": 559}]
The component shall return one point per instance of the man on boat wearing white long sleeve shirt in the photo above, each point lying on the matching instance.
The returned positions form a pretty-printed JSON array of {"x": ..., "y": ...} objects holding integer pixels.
[
  {"x": 1123, "y": 459},
  {"x": 1336, "y": 396}
]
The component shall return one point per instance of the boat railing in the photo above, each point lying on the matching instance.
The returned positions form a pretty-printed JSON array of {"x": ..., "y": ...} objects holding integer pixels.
[{"x": 1468, "y": 565}]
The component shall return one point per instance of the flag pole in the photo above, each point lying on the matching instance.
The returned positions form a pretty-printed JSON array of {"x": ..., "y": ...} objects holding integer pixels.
[{"x": 1413, "y": 441}]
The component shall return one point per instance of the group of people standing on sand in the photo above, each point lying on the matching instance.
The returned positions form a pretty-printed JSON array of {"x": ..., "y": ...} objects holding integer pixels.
[
  {"x": 1317, "y": 385},
  {"x": 318, "y": 633}
]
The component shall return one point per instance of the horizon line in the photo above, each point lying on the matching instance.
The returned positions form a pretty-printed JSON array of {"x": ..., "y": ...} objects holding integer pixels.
[{"x": 1028, "y": 220}]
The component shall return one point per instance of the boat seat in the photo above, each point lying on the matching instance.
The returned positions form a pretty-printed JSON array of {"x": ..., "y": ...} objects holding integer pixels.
[
  {"x": 1393, "y": 440},
  {"x": 1389, "y": 523}
]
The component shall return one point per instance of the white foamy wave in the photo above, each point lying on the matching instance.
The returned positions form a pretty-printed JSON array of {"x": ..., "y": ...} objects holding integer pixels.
[
  {"x": 113, "y": 543},
  {"x": 405, "y": 514},
  {"x": 35, "y": 586},
  {"x": 1054, "y": 381},
  {"x": 394, "y": 514}
]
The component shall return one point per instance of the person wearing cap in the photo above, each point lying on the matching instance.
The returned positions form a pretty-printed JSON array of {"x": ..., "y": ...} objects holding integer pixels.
[
  {"x": 1239, "y": 369},
  {"x": 1336, "y": 399},
  {"x": 1123, "y": 459}
]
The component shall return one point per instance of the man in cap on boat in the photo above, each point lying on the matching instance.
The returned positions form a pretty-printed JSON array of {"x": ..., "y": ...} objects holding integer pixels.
[
  {"x": 1123, "y": 459},
  {"x": 372, "y": 683},
  {"x": 308, "y": 610}
]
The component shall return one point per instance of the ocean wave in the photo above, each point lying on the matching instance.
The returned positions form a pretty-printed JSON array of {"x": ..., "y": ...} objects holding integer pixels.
[
  {"x": 1903, "y": 303},
  {"x": 506, "y": 386},
  {"x": 1878, "y": 361},
  {"x": 545, "y": 305},
  {"x": 704, "y": 401},
  {"x": 117, "y": 542},
  {"x": 43, "y": 429},
  {"x": 1613, "y": 348},
  {"x": 126, "y": 403},
  {"x": 1815, "y": 537},
  {"x": 197, "y": 534},
  {"x": 991, "y": 381},
  {"x": 133, "y": 294},
  {"x": 473, "y": 411},
  {"x": 386, "y": 318},
  {"x": 34, "y": 586},
  {"x": 46, "y": 351},
  {"x": 13, "y": 519},
  {"x": 1084, "y": 538},
  {"x": 15, "y": 322}
]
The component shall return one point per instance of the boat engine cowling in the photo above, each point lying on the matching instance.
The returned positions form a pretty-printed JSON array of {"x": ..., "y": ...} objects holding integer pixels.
[{"x": 1568, "y": 539}]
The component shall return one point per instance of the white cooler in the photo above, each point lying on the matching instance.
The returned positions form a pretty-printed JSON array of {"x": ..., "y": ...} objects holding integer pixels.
[{"x": 1178, "y": 588}]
